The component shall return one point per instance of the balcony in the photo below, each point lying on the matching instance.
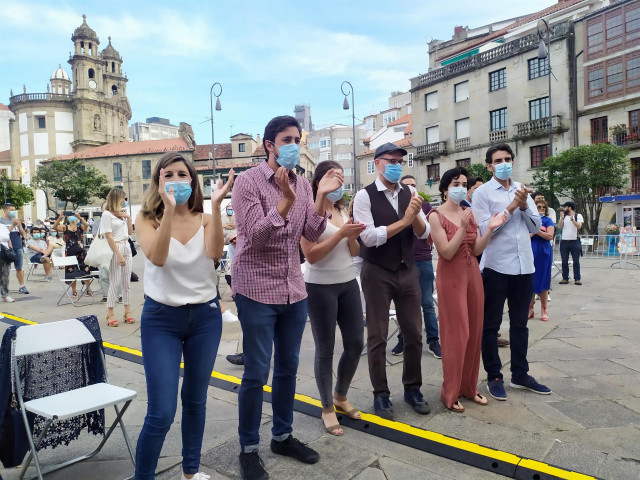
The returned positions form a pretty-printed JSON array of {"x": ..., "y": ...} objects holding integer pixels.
[
  {"x": 498, "y": 135},
  {"x": 30, "y": 97},
  {"x": 462, "y": 143},
  {"x": 538, "y": 128},
  {"x": 630, "y": 139},
  {"x": 432, "y": 149}
]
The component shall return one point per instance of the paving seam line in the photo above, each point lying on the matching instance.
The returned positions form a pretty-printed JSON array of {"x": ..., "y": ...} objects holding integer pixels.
[{"x": 462, "y": 451}]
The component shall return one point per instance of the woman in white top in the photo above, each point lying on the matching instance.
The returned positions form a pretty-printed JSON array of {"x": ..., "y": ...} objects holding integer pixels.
[
  {"x": 334, "y": 298},
  {"x": 115, "y": 225},
  {"x": 5, "y": 267},
  {"x": 181, "y": 314}
]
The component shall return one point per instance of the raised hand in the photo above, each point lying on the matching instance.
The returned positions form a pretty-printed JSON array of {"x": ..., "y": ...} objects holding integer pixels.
[
  {"x": 282, "y": 180},
  {"x": 497, "y": 219},
  {"x": 331, "y": 181},
  {"x": 351, "y": 229},
  {"x": 465, "y": 219},
  {"x": 521, "y": 196},
  {"x": 414, "y": 207},
  {"x": 167, "y": 198},
  {"x": 221, "y": 191}
]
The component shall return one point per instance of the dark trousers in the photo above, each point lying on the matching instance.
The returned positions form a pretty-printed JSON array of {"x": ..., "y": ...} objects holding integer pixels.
[
  {"x": 380, "y": 287},
  {"x": 517, "y": 291},
  {"x": 267, "y": 326},
  {"x": 425, "y": 267},
  {"x": 575, "y": 248}
]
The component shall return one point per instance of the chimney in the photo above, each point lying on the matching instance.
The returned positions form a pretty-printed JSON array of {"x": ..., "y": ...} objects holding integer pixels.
[{"x": 457, "y": 30}]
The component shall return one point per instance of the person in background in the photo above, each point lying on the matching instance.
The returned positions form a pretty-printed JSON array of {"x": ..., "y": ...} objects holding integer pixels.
[
  {"x": 542, "y": 260},
  {"x": 473, "y": 183},
  {"x": 103, "y": 272},
  {"x": 334, "y": 299},
  {"x": 17, "y": 232},
  {"x": 40, "y": 251},
  {"x": 56, "y": 242},
  {"x": 5, "y": 267},
  {"x": 231, "y": 240},
  {"x": 72, "y": 234},
  {"x": 552, "y": 213},
  {"x": 116, "y": 226},
  {"x": 422, "y": 260},
  {"x": 570, "y": 222},
  {"x": 181, "y": 318},
  {"x": 229, "y": 221}
]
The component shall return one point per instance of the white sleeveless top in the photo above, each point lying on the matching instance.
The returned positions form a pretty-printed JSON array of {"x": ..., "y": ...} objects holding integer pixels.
[
  {"x": 188, "y": 276},
  {"x": 337, "y": 266}
]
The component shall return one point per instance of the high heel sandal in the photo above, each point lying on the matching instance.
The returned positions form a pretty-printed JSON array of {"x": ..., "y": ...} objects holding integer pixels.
[
  {"x": 343, "y": 406},
  {"x": 532, "y": 312},
  {"x": 544, "y": 317},
  {"x": 128, "y": 318},
  {"x": 334, "y": 428},
  {"x": 111, "y": 321}
]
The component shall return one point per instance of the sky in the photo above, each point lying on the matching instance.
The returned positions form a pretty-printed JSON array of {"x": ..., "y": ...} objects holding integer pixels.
[{"x": 268, "y": 55}]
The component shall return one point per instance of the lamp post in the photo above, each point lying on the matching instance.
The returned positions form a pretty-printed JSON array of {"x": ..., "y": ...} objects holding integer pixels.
[
  {"x": 218, "y": 108},
  {"x": 544, "y": 51},
  {"x": 345, "y": 106}
]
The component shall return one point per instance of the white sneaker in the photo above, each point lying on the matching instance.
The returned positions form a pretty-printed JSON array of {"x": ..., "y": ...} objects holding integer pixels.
[
  {"x": 8, "y": 299},
  {"x": 229, "y": 317},
  {"x": 197, "y": 476}
]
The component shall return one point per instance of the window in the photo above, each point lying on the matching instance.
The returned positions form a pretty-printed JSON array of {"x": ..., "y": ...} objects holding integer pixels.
[
  {"x": 42, "y": 123},
  {"x": 463, "y": 162},
  {"x": 596, "y": 82},
  {"x": 431, "y": 101},
  {"x": 634, "y": 121},
  {"x": 614, "y": 77},
  {"x": 348, "y": 171},
  {"x": 371, "y": 124},
  {"x": 462, "y": 128},
  {"x": 241, "y": 147},
  {"x": 595, "y": 37},
  {"x": 92, "y": 73},
  {"x": 614, "y": 30},
  {"x": 498, "y": 79},
  {"x": 371, "y": 166},
  {"x": 144, "y": 187},
  {"x": 461, "y": 91},
  {"x": 538, "y": 67},
  {"x": 632, "y": 26},
  {"x": 343, "y": 141},
  {"x": 325, "y": 142},
  {"x": 325, "y": 156},
  {"x": 117, "y": 172},
  {"x": 599, "y": 130},
  {"x": 539, "y": 154},
  {"x": 114, "y": 90},
  {"x": 344, "y": 157},
  {"x": 539, "y": 108},
  {"x": 633, "y": 72},
  {"x": 433, "y": 171},
  {"x": 146, "y": 169},
  {"x": 389, "y": 117},
  {"x": 433, "y": 135},
  {"x": 498, "y": 119},
  {"x": 348, "y": 187},
  {"x": 410, "y": 160},
  {"x": 113, "y": 67}
]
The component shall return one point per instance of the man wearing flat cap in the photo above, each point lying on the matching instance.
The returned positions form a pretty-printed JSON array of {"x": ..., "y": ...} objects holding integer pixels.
[
  {"x": 570, "y": 222},
  {"x": 392, "y": 214}
]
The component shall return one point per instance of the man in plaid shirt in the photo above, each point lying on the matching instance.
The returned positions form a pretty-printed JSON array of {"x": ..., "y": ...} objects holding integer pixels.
[{"x": 274, "y": 208}]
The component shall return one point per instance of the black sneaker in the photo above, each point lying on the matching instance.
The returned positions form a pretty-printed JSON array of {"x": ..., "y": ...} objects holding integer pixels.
[
  {"x": 399, "y": 348},
  {"x": 104, "y": 300},
  {"x": 252, "y": 466},
  {"x": 414, "y": 398},
  {"x": 383, "y": 406},
  {"x": 529, "y": 383},
  {"x": 496, "y": 388},
  {"x": 237, "y": 359},
  {"x": 292, "y": 447},
  {"x": 435, "y": 349}
]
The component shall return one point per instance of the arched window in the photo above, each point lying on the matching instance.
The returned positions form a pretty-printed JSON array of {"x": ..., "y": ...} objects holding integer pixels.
[
  {"x": 76, "y": 77},
  {"x": 113, "y": 67},
  {"x": 114, "y": 90},
  {"x": 82, "y": 47},
  {"x": 90, "y": 49},
  {"x": 92, "y": 73}
]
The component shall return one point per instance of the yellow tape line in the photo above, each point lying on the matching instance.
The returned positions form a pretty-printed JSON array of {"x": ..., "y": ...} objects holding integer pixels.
[{"x": 398, "y": 426}]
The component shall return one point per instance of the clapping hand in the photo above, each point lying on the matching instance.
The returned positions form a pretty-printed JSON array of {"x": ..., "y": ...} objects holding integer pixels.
[
  {"x": 521, "y": 196},
  {"x": 497, "y": 219},
  {"x": 282, "y": 180},
  {"x": 221, "y": 190},
  {"x": 167, "y": 198},
  {"x": 351, "y": 229},
  {"x": 465, "y": 219},
  {"x": 415, "y": 205},
  {"x": 331, "y": 181}
]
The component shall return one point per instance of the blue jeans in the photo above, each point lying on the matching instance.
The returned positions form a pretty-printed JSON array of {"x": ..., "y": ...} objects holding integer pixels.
[
  {"x": 191, "y": 332},
  {"x": 428, "y": 312},
  {"x": 575, "y": 248},
  {"x": 18, "y": 262},
  {"x": 264, "y": 325}
]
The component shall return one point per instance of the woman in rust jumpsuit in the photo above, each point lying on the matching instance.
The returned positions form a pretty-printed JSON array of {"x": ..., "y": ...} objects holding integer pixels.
[{"x": 460, "y": 293}]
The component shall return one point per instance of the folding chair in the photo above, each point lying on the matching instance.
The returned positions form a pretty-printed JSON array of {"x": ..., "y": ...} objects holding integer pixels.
[
  {"x": 49, "y": 337},
  {"x": 60, "y": 264},
  {"x": 32, "y": 274}
]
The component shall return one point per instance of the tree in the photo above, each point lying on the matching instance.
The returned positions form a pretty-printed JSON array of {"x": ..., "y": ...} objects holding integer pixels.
[
  {"x": 584, "y": 174},
  {"x": 15, "y": 192},
  {"x": 71, "y": 182},
  {"x": 480, "y": 170}
]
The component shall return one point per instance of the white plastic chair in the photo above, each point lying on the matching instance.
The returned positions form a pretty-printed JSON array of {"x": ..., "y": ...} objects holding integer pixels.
[
  {"x": 66, "y": 283},
  {"x": 32, "y": 274},
  {"x": 47, "y": 337}
]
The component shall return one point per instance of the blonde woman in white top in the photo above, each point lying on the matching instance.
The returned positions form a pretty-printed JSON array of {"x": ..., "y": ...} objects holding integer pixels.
[
  {"x": 181, "y": 314},
  {"x": 334, "y": 298},
  {"x": 115, "y": 225}
]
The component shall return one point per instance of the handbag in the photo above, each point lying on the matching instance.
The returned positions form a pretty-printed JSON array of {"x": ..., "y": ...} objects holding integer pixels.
[
  {"x": 134, "y": 252},
  {"x": 99, "y": 254},
  {"x": 14, "y": 442},
  {"x": 8, "y": 254}
]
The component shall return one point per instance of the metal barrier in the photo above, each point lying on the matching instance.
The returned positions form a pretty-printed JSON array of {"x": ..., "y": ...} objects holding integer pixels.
[{"x": 621, "y": 248}]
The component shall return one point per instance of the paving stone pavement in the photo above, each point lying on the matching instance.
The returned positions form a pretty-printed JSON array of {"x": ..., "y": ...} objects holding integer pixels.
[{"x": 587, "y": 354}]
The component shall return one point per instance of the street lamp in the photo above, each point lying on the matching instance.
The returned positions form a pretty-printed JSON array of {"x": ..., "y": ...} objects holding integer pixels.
[
  {"x": 345, "y": 106},
  {"x": 544, "y": 51},
  {"x": 218, "y": 108}
]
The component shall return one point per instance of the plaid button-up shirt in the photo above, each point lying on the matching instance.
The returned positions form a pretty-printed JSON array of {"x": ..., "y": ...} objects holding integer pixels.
[{"x": 266, "y": 263}]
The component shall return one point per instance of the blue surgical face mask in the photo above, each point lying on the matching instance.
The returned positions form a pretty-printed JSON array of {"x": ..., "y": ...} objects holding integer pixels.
[
  {"x": 54, "y": 233},
  {"x": 73, "y": 218},
  {"x": 229, "y": 211},
  {"x": 457, "y": 194},
  {"x": 392, "y": 172},
  {"x": 288, "y": 155},
  {"x": 181, "y": 191},
  {"x": 125, "y": 204},
  {"x": 37, "y": 235},
  {"x": 13, "y": 214},
  {"x": 503, "y": 170},
  {"x": 336, "y": 194}
]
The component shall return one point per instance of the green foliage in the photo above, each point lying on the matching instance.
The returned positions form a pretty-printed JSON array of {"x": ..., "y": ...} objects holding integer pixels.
[
  {"x": 584, "y": 174},
  {"x": 15, "y": 192},
  {"x": 71, "y": 182},
  {"x": 425, "y": 196},
  {"x": 480, "y": 170}
]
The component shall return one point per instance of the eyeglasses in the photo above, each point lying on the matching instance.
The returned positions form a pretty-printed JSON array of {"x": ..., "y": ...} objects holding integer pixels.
[
  {"x": 392, "y": 161},
  {"x": 541, "y": 208}
]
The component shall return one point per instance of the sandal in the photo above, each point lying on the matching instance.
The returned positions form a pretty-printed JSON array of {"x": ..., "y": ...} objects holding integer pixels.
[
  {"x": 346, "y": 407},
  {"x": 456, "y": 407},
  {"x": 111, "y": 321},
  {"x": 479, "y": 399},
  {"x": 128, "y": 318},
  {"x": 334, "y": 428}
]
